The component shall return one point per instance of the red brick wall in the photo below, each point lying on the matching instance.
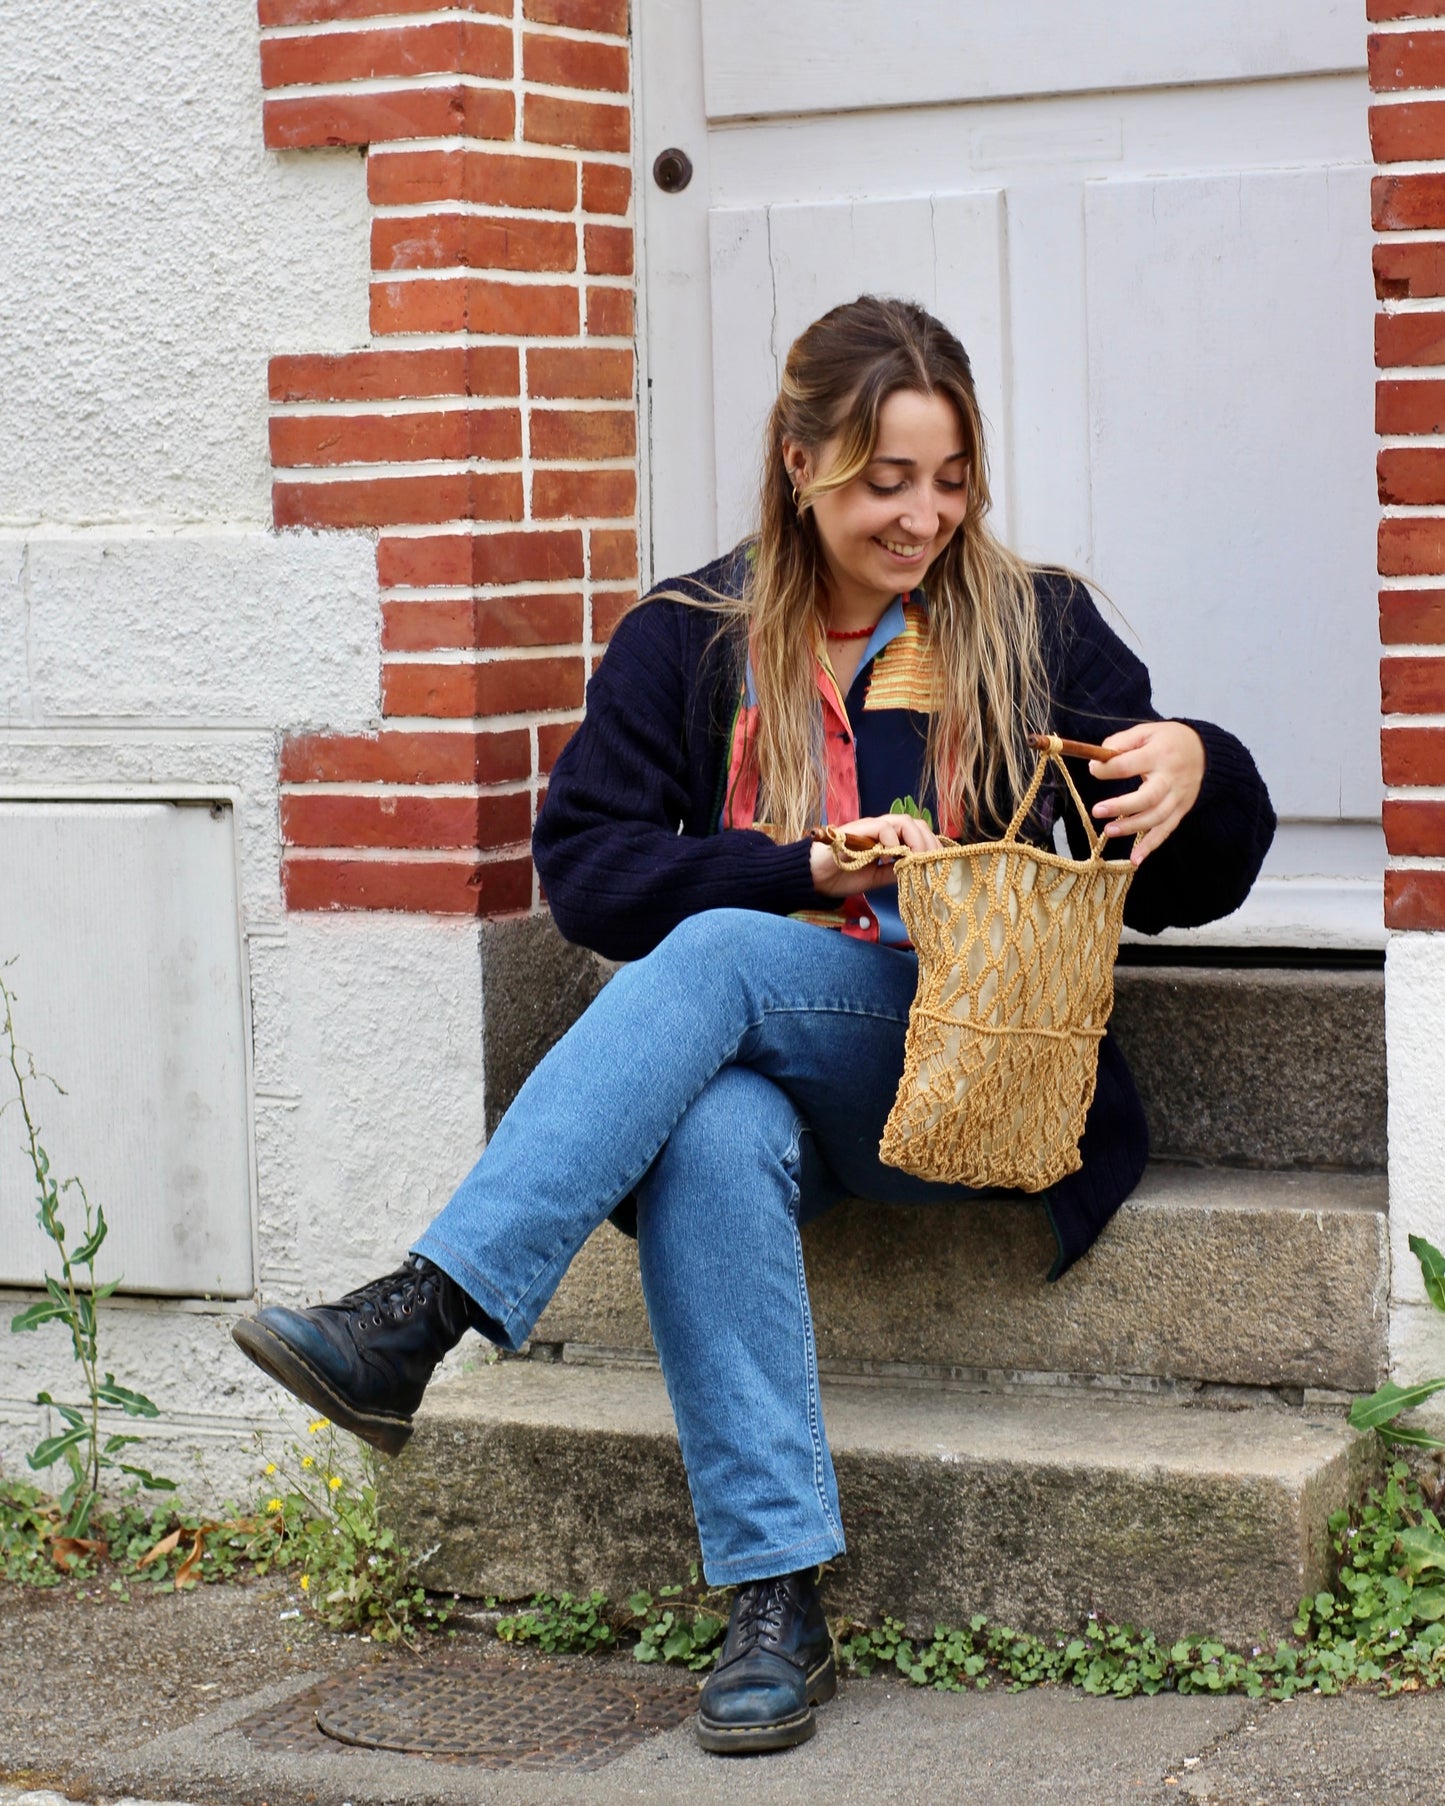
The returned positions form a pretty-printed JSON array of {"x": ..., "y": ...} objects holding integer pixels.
[
  {"x": 1407, "y": 130},
  {"x": 488, "y": 432}
]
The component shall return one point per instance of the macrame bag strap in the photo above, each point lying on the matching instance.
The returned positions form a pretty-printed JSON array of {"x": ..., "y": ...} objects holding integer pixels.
[{"x": 855, "y": 851}]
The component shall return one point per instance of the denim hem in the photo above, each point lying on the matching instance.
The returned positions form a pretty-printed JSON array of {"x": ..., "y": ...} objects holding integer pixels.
[
  {"x": 743, "y": 1568},
  {"x": 477, "y": 1287}
]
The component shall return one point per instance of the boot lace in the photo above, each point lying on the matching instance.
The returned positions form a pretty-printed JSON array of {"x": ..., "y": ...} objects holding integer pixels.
[
  {"x": 762, "y": 1607},
  {"x": 394, "y": 1295}
]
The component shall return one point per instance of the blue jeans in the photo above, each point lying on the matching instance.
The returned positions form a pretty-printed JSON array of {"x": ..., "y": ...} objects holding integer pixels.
[{"x": 737, "y": 1080}]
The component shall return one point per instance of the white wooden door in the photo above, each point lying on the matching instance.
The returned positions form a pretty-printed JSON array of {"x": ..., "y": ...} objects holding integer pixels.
[{"x": 1150, "y": 225}]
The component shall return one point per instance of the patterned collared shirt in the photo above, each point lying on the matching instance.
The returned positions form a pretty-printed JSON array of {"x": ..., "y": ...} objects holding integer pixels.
[{"x": 874, "y": 740}]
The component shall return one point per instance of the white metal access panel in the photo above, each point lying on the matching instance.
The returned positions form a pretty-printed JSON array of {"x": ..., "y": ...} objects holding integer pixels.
[
  {"x": 120, "y": 932},
  {"x": 1150, "y": 225}
]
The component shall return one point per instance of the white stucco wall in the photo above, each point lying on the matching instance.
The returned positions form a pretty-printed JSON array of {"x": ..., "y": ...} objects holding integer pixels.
[
  {"x": 157, "y": 638},
  {"x": 233, "y": 625},
  {"x": 155, "y": 255},
  {"x": 1415, "y": 1049}
]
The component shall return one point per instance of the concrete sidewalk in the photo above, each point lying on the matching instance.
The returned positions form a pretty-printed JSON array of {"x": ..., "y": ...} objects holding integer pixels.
[{"x": 106, "y": 1700}]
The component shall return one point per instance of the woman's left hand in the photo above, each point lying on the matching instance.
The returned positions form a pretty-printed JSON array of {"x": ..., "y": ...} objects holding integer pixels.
[
  {"x": 894, "y": 833},
  {"x": 1168, "y": 758}
]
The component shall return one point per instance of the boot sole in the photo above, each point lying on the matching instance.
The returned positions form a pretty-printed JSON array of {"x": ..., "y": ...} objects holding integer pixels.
[
  {"x": 779, "y": 1734},
  {"x": 289, "y": 1369}
]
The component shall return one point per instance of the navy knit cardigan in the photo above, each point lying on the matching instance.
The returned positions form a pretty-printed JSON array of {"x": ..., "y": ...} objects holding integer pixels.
[{"x": 627, "y": 843}]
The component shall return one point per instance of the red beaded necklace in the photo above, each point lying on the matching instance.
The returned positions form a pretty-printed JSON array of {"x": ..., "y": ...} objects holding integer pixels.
[{"x": 856, "y": 633}]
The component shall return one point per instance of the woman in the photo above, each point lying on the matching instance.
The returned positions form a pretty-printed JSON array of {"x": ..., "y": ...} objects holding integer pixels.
[{"x": 873, "y": 658}]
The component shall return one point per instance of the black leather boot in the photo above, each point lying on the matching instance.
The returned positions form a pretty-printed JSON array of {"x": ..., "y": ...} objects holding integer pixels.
[
  {"x": 776, "y": 1665},
  {"x": 364, "y": 1361}
]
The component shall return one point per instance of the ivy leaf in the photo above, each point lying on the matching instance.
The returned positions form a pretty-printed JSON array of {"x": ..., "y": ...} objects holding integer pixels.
[
  {"x": 1372, "y": 1412},
  {"x": 1428, "y": 1604},
  {"x": 1432, "y": 1268},
  {"x": 1422, "y": 1549}
]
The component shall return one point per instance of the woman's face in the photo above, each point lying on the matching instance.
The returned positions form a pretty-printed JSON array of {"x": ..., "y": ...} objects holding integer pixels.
[{"x": 881, "y": 532}]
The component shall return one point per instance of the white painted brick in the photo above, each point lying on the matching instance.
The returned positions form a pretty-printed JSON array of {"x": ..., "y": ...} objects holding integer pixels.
[
  {"x": 135, "y": 762},
  {"x": 15, "y": 701},
  {"x": 1414, "y": 1011},
  {"x": 229, "y": 627},
  {"x": 1417, "y": 1349}
]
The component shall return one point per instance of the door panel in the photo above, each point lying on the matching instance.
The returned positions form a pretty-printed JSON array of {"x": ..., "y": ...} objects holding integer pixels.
[
  {"x": 828, "y": 55},
  {"x": 1233, "y": 516},
  {"x": 776, "y": 269}
]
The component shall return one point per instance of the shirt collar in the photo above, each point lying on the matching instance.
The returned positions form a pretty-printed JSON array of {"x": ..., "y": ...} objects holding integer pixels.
[{"x": 887, "y": 628}]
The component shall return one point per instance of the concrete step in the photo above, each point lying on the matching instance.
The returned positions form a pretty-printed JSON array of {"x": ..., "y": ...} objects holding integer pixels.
[
  {"x": 528, "y": 1475},
  {"x": 1276, "y": 1067},
  {"x": 1207, "y": 1276},
  {"x": 1273, "y": 1067}
]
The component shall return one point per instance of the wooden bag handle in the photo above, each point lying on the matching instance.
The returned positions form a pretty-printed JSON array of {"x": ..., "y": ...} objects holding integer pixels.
[{"x": 1071, "y": 749}]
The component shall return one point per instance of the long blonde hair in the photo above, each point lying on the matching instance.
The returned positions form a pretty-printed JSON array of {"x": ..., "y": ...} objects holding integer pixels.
[{"x": 991, "y": 689}]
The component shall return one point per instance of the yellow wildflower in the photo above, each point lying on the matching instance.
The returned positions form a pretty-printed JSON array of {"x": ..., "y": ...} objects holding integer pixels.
[
  {"x": 305, "y": 1583},
  {"x": 308, "y": 1461},
  {"x": 269, "y": 1468},
  {"x": 273, "y": 1504},
  {"x": 312, "y": 1428},
  {"x": 334, "y": 1482}
]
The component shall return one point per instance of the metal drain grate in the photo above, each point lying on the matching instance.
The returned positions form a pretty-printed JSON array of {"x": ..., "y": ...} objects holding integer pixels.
[{"x": 496, "y": 1714}]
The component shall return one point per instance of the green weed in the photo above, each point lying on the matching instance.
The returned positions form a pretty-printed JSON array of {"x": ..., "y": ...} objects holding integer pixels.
[
  {"x": 1383, "y": 1410},
  {"x": 71, "y": 1301},
  {"x": 1382, "y": 1625},
  {"x": 319, "y": 1521},
  {"x": 678, "y": 1624},
  {"x": 314, "y": 1520}
]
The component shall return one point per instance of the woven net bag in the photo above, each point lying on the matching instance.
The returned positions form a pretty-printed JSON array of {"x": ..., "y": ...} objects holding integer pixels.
[{"x": 1016, "y": 950}]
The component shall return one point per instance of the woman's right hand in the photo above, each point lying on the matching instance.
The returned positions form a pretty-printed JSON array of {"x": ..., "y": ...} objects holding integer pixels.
[{"x": 902, "y": 833}]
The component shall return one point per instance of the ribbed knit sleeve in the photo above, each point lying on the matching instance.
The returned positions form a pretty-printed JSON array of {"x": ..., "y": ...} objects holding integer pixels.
[
  {"x": 1206, "y": 867},
  {"x": 623, "y": 844}
]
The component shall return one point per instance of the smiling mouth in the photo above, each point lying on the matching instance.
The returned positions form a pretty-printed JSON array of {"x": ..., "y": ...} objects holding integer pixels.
[{"x": 901, "y": 550}]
